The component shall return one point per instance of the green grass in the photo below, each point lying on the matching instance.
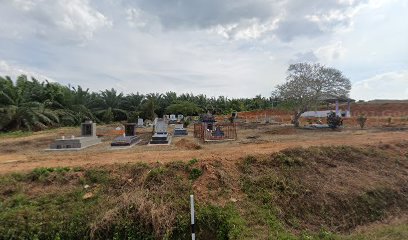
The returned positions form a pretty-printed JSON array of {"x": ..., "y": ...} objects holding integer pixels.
[{"x": 15, "y": 134}]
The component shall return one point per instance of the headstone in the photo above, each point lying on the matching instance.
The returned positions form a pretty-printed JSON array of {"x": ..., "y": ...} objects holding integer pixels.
[
  {"x": 172, "y": 119},
  {"x": 129, "y": 138},
  {"x": 218, "y": 132},
  {"x": 180, "y": 117},
  {"x": 88, "y": 129},
  {"x": 161, "y": 126},
  {"x": 160, "y": 135},
  {"x": 88, "y": 138},
  {"x": 208, "y": 120},
  {"x": 130, "y": 129},
  {"x": 140, "y": 122},
  {"x": 179, "y": 130}
]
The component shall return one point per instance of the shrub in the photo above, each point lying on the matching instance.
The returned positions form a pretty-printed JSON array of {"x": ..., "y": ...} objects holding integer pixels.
[
  {"x": 361, "y": 120},
  {"x": 195, "y": 173},
  {"x": 215, "y": 222},
  {"x": 334, "y": 121},
  {"x": 97, "y": 176}
]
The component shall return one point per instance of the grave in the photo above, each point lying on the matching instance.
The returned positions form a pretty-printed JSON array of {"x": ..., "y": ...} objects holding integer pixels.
[
  {"x": 140, "y": 122},
  {"x": 172, "y": 119},
  {"x": 208, "y": 120},
  {"x": 218, "y": 132},
  {"x": 180, "y": 117},
  {"x": 129, "y": 138},
  {"x": 179, "y": 130},
  {"x": 160, "y": 135},
  {"x": 88, "y": 138}
]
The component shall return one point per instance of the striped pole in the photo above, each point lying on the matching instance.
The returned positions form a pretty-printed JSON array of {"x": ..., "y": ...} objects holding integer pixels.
[{"x": 192, "y": 217}]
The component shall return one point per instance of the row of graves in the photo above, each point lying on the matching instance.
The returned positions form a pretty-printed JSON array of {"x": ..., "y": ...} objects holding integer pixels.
[
  {"x": 208, "y": 129},
  {"x": 173, "y": 119}
]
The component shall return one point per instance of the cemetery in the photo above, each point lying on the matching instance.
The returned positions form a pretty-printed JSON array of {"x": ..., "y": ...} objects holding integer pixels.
[{"x": 219, "y": 155}]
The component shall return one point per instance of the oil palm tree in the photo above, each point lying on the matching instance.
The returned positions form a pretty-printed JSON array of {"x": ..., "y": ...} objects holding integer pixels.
[
  {"x": 109, "y": 106},
  {"x": 18, "y": 110}
]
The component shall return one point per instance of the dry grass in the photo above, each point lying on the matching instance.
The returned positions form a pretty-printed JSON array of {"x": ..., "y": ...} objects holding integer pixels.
[{"x": 187, "y": 144}]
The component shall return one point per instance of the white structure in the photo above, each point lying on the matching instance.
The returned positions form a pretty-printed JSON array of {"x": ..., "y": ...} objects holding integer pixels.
[
  {"x": 323, "y": 114},
  {"x": 140, "y": 122},
  {"x": 319, "y": 114}
]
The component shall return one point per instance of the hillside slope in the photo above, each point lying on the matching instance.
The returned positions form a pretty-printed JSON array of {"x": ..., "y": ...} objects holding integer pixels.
[{"x": 299, "y": 193}]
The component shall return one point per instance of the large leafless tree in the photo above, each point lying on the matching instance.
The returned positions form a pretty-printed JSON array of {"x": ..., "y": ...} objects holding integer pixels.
[{"x": 308, "y": 84}]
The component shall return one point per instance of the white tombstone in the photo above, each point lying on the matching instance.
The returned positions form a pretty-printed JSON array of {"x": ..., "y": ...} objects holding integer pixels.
[
  {"x": 173, "y": 117},
  {"x": 180, "y": 117},
  {"x": 140, "y": 122}
]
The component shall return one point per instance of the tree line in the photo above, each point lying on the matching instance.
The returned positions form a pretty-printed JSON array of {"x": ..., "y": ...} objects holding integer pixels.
[
  {"x": 34, "y": 105},
  {"x": 28, "y": 104}
]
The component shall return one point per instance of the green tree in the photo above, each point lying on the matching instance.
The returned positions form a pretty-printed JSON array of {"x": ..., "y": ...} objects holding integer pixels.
[
  {"x": 109, "y": 106},
  {"x": 151, "y": 105},
  {"x": 308, "y": 84},
  {"x": 185, "y": 108},
  {"x": 18, "y": 110}
]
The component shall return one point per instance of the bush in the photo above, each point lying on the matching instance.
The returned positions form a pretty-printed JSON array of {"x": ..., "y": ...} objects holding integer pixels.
[
  {"x": 97, "y": 176},
  {"x": 195, "y": 173},
  {"x": 215, "y": 222},
  {"x": 361, "y": 120},
  {"x": 334, "y": 121}
]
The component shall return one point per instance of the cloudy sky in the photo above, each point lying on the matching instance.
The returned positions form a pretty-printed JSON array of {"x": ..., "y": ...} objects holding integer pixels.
[{"x": 237, "y": 48}]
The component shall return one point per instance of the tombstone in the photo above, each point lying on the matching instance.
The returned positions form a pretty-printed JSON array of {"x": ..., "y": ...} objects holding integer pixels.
[
  {"x": 129, "y": 138},
  {"x": 180, "y": 117},
  {"x": 88, "y": 129},
  {"x": 87, "y": 139},
  {"x": 140, "y": 122},
  {"x": 179, "y": 130},
  {"x": 160, "y": 135},
  {"x": 208, "y": 120},
  {"x": 172, "y": 119},
  {"x": 218, "y": 132}
]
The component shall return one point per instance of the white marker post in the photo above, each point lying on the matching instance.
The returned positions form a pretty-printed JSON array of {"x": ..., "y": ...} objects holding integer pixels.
[{"x": 192, "y": 217}]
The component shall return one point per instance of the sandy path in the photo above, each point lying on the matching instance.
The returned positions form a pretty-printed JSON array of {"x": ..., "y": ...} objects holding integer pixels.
[{"x": 230, "y": 151}]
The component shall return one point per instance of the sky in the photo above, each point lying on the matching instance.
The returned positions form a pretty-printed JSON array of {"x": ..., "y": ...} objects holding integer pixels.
[{"x": 235, "y": 48}]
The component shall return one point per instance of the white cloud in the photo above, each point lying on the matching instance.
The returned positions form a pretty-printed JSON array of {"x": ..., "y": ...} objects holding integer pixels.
[
  {"x": 14, "y": 71},
  {"x": 51, "y": 20},
  {"x": 218, "y": 47},
  {"x": 390, "y": 85}
]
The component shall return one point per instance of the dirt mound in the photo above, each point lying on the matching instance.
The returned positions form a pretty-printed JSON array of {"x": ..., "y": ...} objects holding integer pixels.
[
  {"x": 187, "y": 144},
  {"x": 281, "y": 131}
]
